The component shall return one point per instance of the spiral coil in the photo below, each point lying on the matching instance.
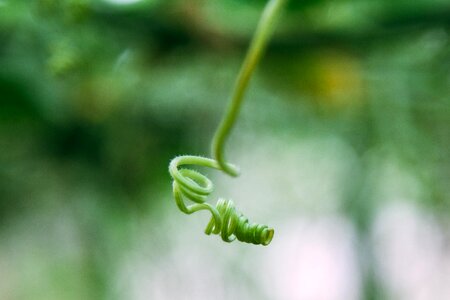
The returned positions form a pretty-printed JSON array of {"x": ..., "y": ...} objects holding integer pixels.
[{"x": 225, "y": 219}]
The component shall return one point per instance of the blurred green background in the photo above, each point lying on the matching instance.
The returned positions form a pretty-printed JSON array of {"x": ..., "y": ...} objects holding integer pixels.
[{"x": 344, "y": 144}]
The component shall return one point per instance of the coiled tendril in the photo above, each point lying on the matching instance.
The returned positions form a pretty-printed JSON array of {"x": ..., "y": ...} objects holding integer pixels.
[
  {"x": 225, "y": 220},
  {"x": 190, "y": 184}
]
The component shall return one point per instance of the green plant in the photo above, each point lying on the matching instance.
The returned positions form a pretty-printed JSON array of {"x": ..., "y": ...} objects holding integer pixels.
[{"x": 190, "y": 184}]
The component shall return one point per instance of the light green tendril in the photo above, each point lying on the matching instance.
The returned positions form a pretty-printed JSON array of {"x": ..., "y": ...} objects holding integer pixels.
[
  {"x": 257, "y": 47},
  {"x": 190, "y": 184}
]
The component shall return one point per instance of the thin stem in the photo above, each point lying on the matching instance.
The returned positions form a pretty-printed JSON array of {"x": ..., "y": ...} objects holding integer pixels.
[{"x": 257, "y": 47}]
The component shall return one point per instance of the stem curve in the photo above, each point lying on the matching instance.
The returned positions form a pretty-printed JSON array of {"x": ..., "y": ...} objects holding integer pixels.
[{"x": 258, "y": 45}]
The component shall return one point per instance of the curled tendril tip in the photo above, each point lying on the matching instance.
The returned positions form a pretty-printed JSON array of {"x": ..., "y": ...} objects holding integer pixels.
[{"x": 225, "y": 219}]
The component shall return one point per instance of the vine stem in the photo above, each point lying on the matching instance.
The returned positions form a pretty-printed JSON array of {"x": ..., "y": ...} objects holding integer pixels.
[{"x": 259, "y": 42}]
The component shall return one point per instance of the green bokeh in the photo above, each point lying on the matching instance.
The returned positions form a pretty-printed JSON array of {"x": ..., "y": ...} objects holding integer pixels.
[{"x": 97, "y": 97}]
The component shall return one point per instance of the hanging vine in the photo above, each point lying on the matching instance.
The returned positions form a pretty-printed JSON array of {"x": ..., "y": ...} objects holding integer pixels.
[{"x": 196, "y": 187}]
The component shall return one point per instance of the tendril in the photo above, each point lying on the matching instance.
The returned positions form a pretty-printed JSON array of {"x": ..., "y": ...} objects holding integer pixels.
[
  {"x": 252, "y": 58},
  {"x": 236, "y": 226},
  {"x": 196, "y": 187},
  {"x": 225, "y": 219}
]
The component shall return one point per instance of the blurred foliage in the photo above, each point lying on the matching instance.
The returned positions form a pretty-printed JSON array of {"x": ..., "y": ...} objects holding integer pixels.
[{"x": 98, "y": 95}]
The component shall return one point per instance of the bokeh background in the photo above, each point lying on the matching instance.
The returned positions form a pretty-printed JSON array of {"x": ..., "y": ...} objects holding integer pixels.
[{"x": 344, "y": 144}]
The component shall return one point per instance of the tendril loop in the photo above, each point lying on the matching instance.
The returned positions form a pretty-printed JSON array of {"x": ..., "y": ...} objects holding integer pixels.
[{"x": 225, "y": 219}]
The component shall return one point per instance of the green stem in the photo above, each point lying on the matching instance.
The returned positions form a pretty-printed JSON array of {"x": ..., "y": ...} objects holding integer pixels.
[{"x": 257, "y": 47}]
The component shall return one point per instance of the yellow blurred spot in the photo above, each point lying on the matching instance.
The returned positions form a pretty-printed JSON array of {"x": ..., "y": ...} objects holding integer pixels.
[{"x": 337, "y": 80}]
